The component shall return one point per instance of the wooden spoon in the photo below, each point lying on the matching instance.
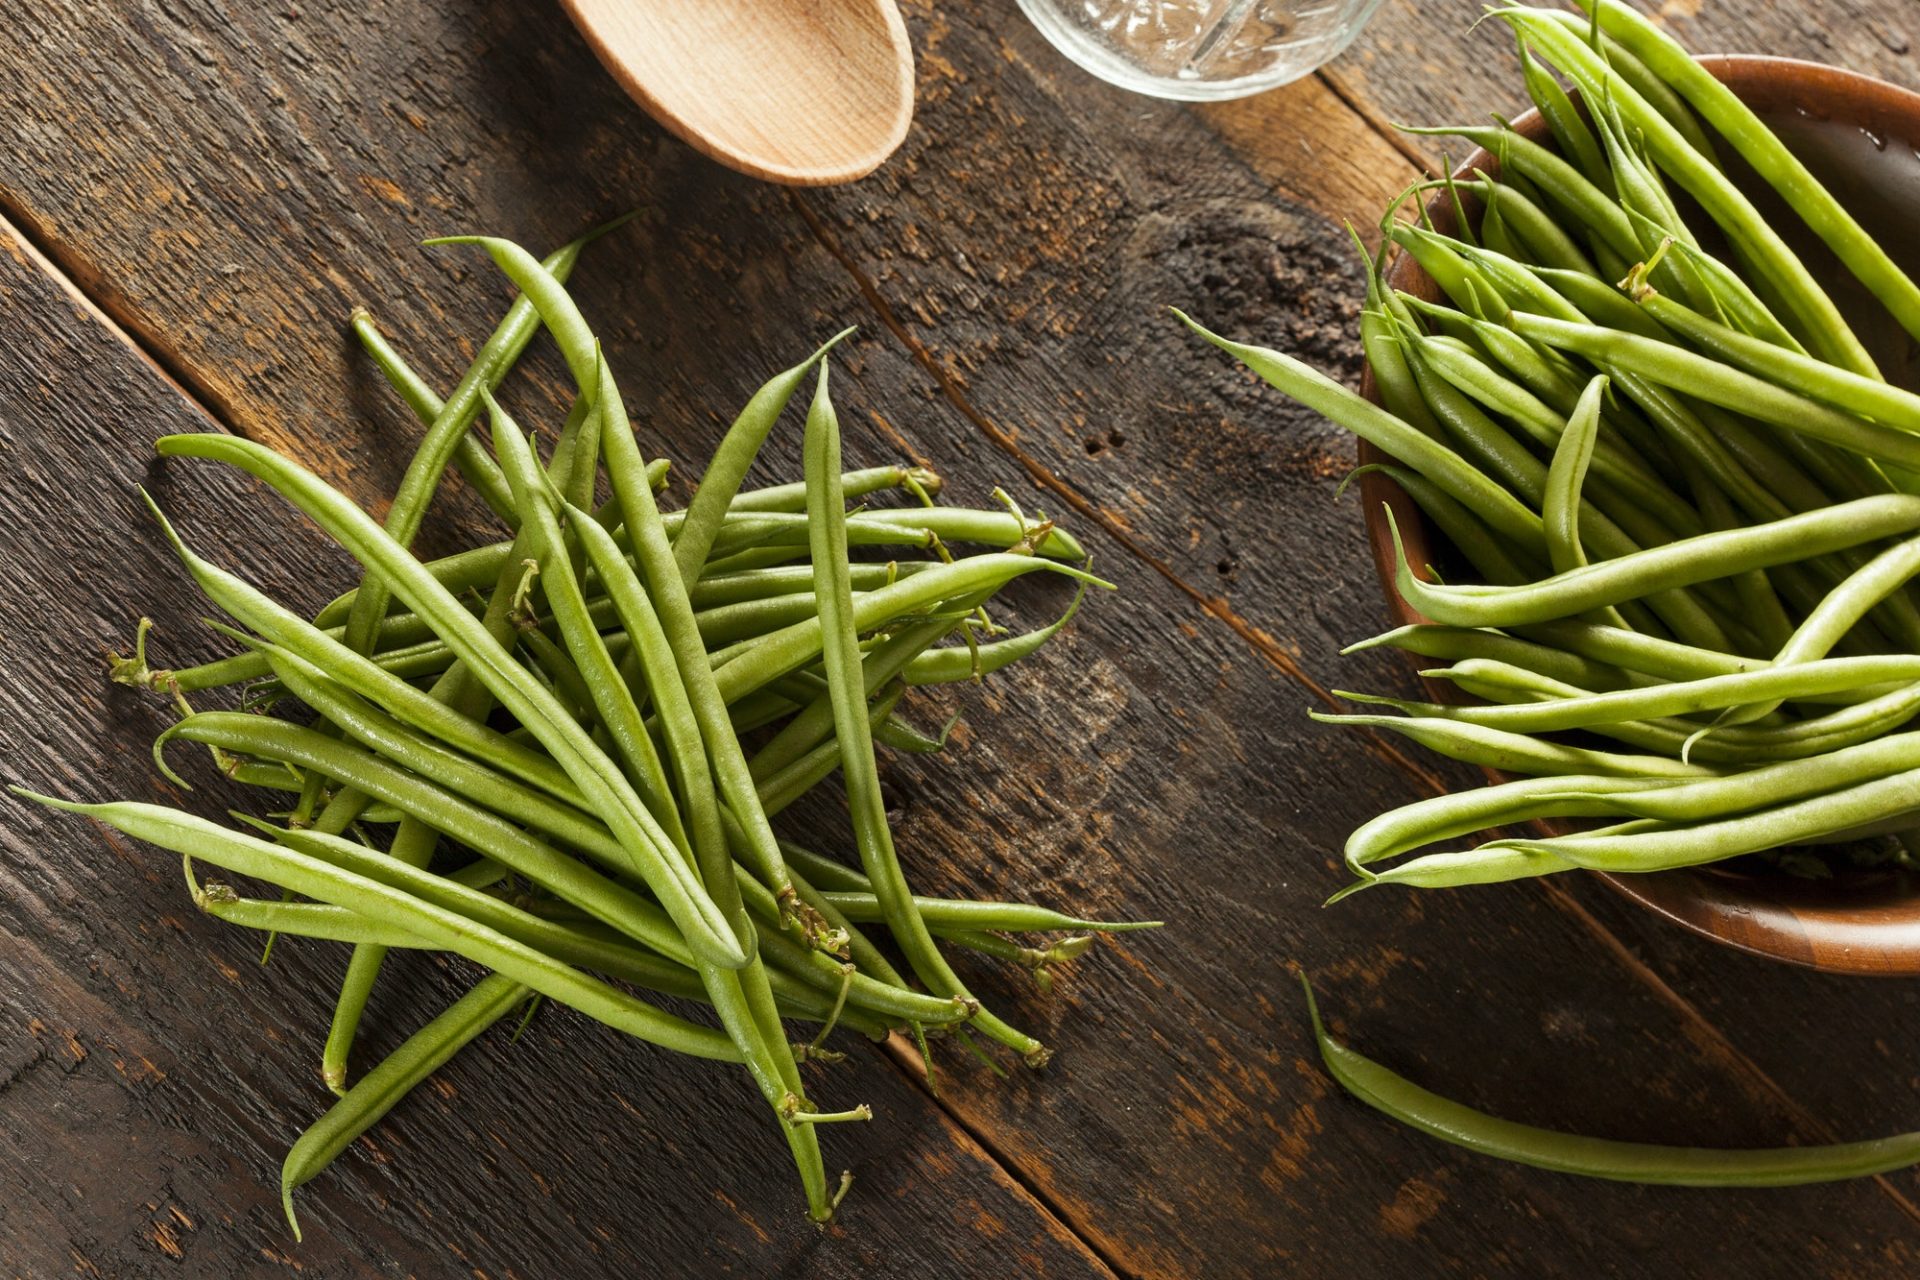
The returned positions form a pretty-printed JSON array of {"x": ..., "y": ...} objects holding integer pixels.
[{"x": 805, "y": 92}]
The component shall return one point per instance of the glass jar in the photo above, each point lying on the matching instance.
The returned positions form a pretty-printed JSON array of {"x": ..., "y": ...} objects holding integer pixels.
[{"x": 1196, "y": 50}]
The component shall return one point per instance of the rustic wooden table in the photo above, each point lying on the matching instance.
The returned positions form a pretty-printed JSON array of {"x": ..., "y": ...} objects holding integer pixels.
[{"x": 195, "y": 194}]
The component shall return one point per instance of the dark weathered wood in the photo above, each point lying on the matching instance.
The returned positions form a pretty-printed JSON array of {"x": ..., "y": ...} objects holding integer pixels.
[{"x": 1010, "y": 268}]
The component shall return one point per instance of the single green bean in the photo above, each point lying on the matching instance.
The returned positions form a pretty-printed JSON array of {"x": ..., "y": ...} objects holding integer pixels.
[
  {"x": 1462, "y": 1126},
  {"x": 826, "y": 509},
  {"x": 720, "y": 482},
  {"x": 422, "y": 1054},
  {"x": 1518, "y": 752},
  {"x": 470, "y": 457},
  {"x": 1691, "y": 560},
  {"x": 1459, "y": 479}
]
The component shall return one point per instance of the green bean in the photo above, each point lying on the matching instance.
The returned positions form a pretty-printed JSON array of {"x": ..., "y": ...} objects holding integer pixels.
[
  {"x": 1617, "y": 715},
  {"x": 1561, "y": 512},
  {"x": 1003, "y": 917},
  {"x": 1449, "y": 471},
  {"x": 1462, "y": 1126},
  {"x": 1849, "y": 809},
  {"x": 1802, "y": 374},
  {"x": 761, "y": 585},
  {"x": 570, "y": 746},
  {"x": 728, "y": 467},
  {"x": 1691, "y": 560},
  {"x": 903, "y": 526},
  {"x": 470, "y": 459},
  {"x": 826, "y": 508},
  {"x": 437, "y": 720},
  {"x": 1723, "y": 385},
  {"x": 1820, "y": 323},
  {"x": 423, "y": 1053},
  {"x": 1769, "y": 785},
  {"x": 447, "y": 930},
  {"x": 1829, "y": 675},
  {"x": 296, "y": 919},
  {"x": 1436, "y": 640},
  {"x": 1570, "y": 132},
  {"x": 957, "y": 663},
  {"x": 1391, "y": 377},
  {"x": 1444, "y": 817},
  {"x": 1632, "y": 652},
  {"x": 1517, "y": 752},
  {"x": 1761, "y": 148},
  {"x": 861, "y": 482},
  {"x": 414, "y": 843},
  {"x": 1464, "y": 532}
]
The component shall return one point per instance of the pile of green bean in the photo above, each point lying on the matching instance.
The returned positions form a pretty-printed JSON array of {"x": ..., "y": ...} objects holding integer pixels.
[
  {"x": 1685, "y": 503},
  {"x": 1685, "y": 500},
  {"x": 559, "y": 755}
]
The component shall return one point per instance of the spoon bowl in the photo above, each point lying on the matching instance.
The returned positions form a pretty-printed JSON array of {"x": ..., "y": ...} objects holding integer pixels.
[
  {"x": 802, "y": 92},
  {"x": 1861, "y": 136}
]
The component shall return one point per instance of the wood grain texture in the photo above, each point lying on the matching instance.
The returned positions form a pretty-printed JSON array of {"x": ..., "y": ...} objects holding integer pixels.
[{"x": 235, "y": 183}]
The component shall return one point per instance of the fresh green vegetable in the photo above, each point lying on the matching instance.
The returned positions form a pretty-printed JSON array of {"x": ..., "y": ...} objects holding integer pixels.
[
  {"x": 1676, "y": 595},
  {"x": 570, "y": 707}
]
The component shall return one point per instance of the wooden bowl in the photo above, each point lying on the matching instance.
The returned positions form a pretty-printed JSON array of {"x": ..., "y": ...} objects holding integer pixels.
[{"x": 1862, "y": 137}]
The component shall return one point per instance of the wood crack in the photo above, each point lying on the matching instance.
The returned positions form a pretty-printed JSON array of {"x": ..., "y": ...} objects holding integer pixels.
[
  {"x": 41, "y": 248},
  {"x": 904, "y": 1056}
]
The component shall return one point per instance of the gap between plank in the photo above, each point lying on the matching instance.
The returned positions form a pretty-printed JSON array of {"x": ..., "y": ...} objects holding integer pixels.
[
  {"x": 1713, "y": 1043},
  {"x": 40, "y": 248},
  {"x": 901, "y": 1053}
]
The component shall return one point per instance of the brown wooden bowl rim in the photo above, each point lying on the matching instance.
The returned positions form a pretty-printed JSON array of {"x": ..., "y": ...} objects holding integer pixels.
[{"x": 1861, "y": 922}]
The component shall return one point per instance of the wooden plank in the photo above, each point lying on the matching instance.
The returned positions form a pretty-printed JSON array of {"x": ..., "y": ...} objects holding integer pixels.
[
  {"x": 1021, "y": 249},
  {"x": 153, "y": 1073}
]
